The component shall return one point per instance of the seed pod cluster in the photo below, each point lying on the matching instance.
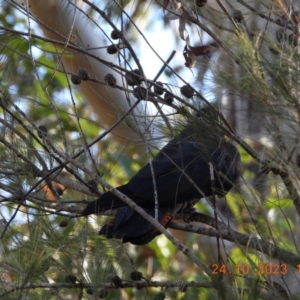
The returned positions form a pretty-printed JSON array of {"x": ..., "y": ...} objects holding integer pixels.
[
  {"x": 133, "y": 77},
  {"x": 136, "y": 275},
  {"x": 187, "y": 91},
  {"x": 158, "y": 88},
  {"x": 70, "y": 278},
  {"x": 110, "y": 79},
  {"x": 82, "y": 74},
  {"x": 75, "y": 79},
  {"x": 112, "y": 49},
  {"x": 168, "y": 97},
  {"x": 116, "y": 34},
  {"x": 117, "y": 281},
  {"x": 140, "y": 93}
]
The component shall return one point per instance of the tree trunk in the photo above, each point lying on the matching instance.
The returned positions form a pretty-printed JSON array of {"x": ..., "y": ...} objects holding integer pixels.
[{"x": 62, "y": 21}]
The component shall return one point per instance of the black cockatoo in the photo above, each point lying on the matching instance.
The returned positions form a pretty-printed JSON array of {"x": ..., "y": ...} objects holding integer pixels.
[{"x": 179, "y": 166}]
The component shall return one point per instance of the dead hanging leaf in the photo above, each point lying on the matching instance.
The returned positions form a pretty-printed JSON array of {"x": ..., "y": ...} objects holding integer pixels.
[
  {"x": 187, "y": 38},
  {"x": 175, "y": 6},
  {"x": 48, "y": 192},
  {"x": 189, "y": 56},
  {"x": 203, "y": 50},
  {"x": 165, "y": 4},
  {"x": 182, "y": 31},
  {"x": 172, "y": 9},
  {"x": 190, "y": 53}
]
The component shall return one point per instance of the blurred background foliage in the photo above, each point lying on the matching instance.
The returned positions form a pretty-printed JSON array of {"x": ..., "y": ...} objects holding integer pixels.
[{"x": 40, "y": 245}]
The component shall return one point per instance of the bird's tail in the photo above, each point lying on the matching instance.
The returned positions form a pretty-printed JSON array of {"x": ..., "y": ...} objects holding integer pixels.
[
  {"x": 106, "y": 201},
  {"x": 130, "y": 226}
]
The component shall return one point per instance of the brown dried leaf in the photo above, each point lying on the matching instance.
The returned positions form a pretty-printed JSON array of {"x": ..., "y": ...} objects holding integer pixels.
[
  {"x": 182, "y": 30},
  {"x": 189, "y": 56},
  {"x": 172, "y": 9},
  {"x": 176, "y": 5},
  {"x": 202, "y": 50}
]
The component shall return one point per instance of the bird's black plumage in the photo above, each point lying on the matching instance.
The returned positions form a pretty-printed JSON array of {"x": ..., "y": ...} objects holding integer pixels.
[{"x": 182, "y": 175}]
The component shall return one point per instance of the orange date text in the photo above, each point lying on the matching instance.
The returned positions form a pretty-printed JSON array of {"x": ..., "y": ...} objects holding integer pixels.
[{"x": 244, "y": 269}]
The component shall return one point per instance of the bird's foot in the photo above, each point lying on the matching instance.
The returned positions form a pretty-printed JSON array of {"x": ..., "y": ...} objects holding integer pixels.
[{"x": 186, "y": 215}]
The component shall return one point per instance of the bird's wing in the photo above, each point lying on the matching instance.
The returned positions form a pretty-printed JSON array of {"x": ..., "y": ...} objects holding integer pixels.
[
  {"x": 168, "y": 171},
  {"x": 176, "y": 158},
  {"x": 181, "y": 173}
]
